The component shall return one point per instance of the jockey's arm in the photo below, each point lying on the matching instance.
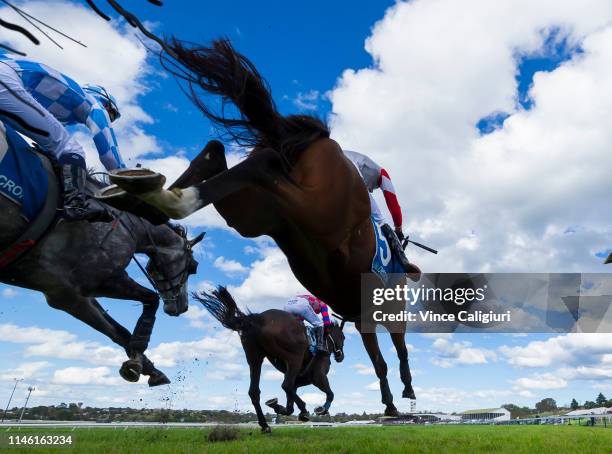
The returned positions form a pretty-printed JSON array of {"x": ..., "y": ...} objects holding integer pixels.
[
  {"x": 388, "y": 190},
  {"x": 325, "y": 314},
  {"x": 104, "y": 138}
]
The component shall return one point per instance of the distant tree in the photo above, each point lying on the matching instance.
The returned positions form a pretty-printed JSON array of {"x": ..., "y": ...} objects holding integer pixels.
[
  {"x": 517, "y": 412},
  {"x": 548, "y": 404},
  {"x": 590, "y": 404},
  {"x": 601, "y": 400},
  {"x": 574, "y": 405}
]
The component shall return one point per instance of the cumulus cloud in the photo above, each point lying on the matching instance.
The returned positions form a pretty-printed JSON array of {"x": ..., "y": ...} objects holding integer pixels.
[
  {"x": 229, "y": 266},
  {"x": 565, "y": 350},
  {"x": 363, "y": 369},
  {"x": 541, "y": 381},
  {"x": 86, "y": 376},
  {"x": 448, "y": 354},
  {"x": 502, "y": 201},
  {"x": 30, "y": 370}
]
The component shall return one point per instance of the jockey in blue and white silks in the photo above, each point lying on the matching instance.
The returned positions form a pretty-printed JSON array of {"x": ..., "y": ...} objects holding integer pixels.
[{"x": 39, "y": 102}]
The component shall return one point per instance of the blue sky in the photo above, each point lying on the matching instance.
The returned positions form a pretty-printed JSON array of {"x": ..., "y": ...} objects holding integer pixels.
[{"x": 424, "y": 109}]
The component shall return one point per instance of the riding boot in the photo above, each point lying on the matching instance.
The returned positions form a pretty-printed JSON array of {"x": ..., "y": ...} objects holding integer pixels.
[
  {"x": 319, "y": 336},
  {"x": 398, "y": 251},
  {"x": 77, "y": 205}
]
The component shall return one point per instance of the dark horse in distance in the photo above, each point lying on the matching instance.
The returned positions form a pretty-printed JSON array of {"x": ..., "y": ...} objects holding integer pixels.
[
  {"x": 296, "y": 186},
  {"x": 280, "y": 337}
]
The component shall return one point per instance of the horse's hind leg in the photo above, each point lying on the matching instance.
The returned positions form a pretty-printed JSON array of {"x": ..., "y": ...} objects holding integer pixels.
[
  {"x": 255, "y": 359},
  {"x": 370, "y": 342},
  {"x": 399, "y": 342}
]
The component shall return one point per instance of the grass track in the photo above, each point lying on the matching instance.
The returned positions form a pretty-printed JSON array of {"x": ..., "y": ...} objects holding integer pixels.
[{"x": 422, "y": 439}]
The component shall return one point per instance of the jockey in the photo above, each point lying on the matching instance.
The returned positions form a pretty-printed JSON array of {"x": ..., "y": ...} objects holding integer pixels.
[
  {"x": 306, "y": 307},
  {"x": 39, "y": 102},
  {"x": 376, "y": 177}
]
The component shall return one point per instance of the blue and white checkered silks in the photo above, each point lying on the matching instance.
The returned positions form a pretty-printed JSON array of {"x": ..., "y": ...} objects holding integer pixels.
[{"x": 61, "y": 96}]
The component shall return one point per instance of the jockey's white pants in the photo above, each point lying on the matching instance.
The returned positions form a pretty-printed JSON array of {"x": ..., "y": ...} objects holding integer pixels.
[
  {"x": 376, "y": 214},
  {"x": 301, "y": 308},
  {"x": 21, "y": 103}
]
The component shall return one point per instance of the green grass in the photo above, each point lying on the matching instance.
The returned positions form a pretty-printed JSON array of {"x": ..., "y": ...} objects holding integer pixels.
[{"x": 398, "y": 439}]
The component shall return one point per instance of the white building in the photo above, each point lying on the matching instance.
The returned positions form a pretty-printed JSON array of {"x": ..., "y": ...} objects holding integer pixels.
[
  {"x": 486, "y": 414},
  {"x": 590, "y": 411}
]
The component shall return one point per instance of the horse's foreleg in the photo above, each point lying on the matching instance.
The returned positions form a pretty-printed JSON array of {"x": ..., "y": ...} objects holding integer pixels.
[
  {"x": 320, "y": 381},
  {"x": 124, "y": 287},
  {"x": 210, "y": 162},
  {"x": 370, "y": 342},
  {"x": 89, "y": 311},
  {"x": 289, "y": 386},
  {"x": 399, "y": 342}
]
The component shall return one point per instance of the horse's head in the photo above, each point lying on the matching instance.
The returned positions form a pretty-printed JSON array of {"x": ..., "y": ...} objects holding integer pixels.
[
  {"x": 170, "y": 268},
  {"x": 335, "y": 341}
]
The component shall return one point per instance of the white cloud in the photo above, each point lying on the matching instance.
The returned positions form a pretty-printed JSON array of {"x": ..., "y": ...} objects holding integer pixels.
[
  {"x": 225, "y": 344},
  {"x": 113, "y": 58},
  {"x": 26, "y": 371},
  {"x": 85, "y": 376},
  {"x": 273, "y": 375},
  {"x": 567, "y": 349},
  {"x": 363, "y": 369},
  {"x": 541, "y": 381},
  {"x": 449, "y": 354},
  {"x": 269, "y": 283},
  {"x": 307, "y": 101},
  {"x": 229, "y": 266},
  {"x": 503, "y": 201},
  {"x": 9, "y": 292}
]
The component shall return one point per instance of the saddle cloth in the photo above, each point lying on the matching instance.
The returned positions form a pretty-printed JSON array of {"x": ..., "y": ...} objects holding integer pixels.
[
  {"x": 384, "y": 262},
  {"x": 312, "y": 340},
  {"x": 23, "y": 179}
]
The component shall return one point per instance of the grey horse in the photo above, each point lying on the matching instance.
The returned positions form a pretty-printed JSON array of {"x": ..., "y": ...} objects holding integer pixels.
[{"x": 75, "y": 262}]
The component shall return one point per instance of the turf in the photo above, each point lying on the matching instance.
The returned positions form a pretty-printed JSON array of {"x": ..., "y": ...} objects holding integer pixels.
[{"x": 398, "y": 439}]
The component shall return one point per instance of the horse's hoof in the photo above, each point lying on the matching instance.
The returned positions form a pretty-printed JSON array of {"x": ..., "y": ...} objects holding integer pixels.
[
  {"x": 303, "y": 416},
  {"x": 137, "y": 181},
  {"x": 158, "y": 379},
  {"x": 272, "y": 402},
  {"x": 392, "y": 411},
  {"x": 408, "y": 394},
  {"x": 320, "y": 411},
  {"x": 131, "y": 370},
  {"x": 266, "y": 430}
]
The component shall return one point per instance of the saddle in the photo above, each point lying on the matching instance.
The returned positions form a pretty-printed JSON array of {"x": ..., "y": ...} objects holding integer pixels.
[{"x": 28, "y": 179}]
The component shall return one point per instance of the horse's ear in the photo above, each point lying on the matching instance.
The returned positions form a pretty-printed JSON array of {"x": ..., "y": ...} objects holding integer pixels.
[
  {"x": 196, "y": 240},
  {"x": 342, "y": 325}
]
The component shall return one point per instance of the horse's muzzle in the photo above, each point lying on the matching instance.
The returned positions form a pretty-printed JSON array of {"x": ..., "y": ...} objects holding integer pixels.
[{"x": 339, "y": 356}]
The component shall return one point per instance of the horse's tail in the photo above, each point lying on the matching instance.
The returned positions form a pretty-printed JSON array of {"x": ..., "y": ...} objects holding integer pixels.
[
  {"x": 222, "y": 306},
  {"x": 221, "y": 70}
]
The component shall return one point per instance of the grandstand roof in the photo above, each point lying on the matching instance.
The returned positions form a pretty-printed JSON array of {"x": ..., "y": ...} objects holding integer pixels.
[{"x": 484, "y": 410}]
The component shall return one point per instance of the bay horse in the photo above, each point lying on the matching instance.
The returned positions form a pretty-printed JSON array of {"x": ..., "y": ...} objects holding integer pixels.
[
  {"x": 281, "y": 338},
  {"x": 75, "y": 262},
  {"x": 296, "y": 186}
]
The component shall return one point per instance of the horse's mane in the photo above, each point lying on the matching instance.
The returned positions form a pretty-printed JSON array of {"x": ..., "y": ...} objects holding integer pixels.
[{"x": 221, "y": 70}]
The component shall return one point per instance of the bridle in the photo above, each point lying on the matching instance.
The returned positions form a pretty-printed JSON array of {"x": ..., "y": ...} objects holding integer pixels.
[
  {"x": 329, "y": 338},
  {"x": 161, "y": 276}
]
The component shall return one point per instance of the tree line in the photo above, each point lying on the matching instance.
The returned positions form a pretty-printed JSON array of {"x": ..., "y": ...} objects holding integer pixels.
[{"x": 549, "y": 405}]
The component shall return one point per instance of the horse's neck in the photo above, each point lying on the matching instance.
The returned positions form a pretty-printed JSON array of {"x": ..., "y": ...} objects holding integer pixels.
[{"x": 156, "y": 235}]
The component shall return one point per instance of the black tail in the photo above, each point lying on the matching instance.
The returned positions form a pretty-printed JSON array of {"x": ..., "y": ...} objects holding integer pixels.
[
  {"x": 222, "y": 306},
  {"x": 221, "y": 70}
]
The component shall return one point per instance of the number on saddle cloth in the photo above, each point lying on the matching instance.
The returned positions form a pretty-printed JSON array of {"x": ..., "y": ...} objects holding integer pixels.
[
  {"x": 23, "y": 178},
  {"x": 384, "y": 262}
]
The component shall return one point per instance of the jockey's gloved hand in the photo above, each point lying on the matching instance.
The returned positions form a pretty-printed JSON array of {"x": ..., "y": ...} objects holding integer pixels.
[{"x": 399, "y": 233}]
